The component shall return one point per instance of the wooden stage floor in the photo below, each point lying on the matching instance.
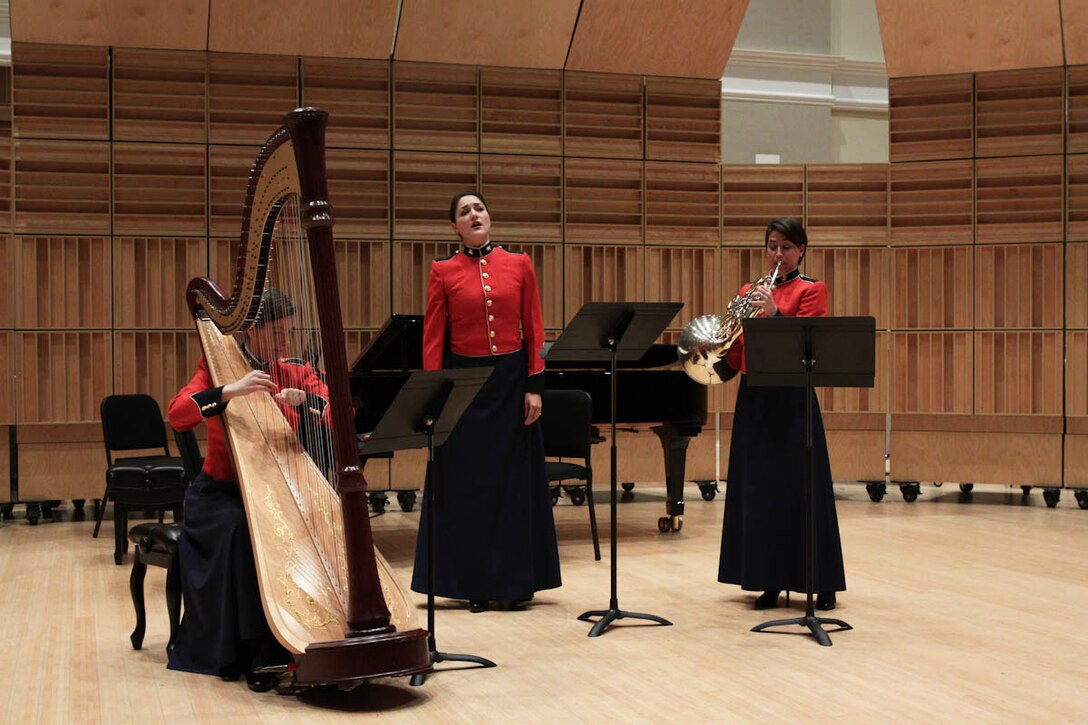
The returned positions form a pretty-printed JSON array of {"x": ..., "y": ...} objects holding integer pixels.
[{"x": 962, "y": 612}]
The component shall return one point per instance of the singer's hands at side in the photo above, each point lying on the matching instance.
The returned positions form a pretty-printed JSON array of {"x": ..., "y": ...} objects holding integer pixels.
[
  {"x": 258, "y": 381},
  {"x": 534, "y": 403},
  {"x": 763, "y": 298}
]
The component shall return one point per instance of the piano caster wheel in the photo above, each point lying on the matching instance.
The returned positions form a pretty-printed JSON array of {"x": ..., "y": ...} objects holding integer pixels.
[
  {"x": 577, "y": 496},
  {"x": 628, "y": 486},
  {"x": 555, "y": 496},
  {"x": 406, "y": 499},
  {"x": 377, "y": 501},
  {"x": 665, "y": 524},
  {"x": 708, "y": 490}
]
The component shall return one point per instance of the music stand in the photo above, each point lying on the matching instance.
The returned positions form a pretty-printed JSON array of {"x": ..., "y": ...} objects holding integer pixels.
[
  {"x": 614, "y": 331},
  {"x": 784, "y": 351},
  {"x": 424, "y": 413}
]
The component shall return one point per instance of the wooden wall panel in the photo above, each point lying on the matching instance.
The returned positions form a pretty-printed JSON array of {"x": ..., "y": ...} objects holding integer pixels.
[
  {"x": 1019, "y": 112},
  {"x": 248, "y": 95},
  {"x": 595, "y": 273},
  {"x": 228, "y": 174},
  {"x": 932, "y": 203},
  {"x": 847, "y": 204},
  {"x": 7, "y": 291},
  {"x": 150, "y": 275},
  {"x": 741, "y": 266},
  {"x": 1018, "y": 373},
  {"x": 359, "y": 192},
  {"x": 1075, "y": 460},
  {"x": 62, "y": 376},
  {"x": 602, "y": 201},
  {"x": 1076, "y": 374},
  {"x": 435, "y": 107},
  {"x": 932, "y": 288},
  {"x": 683, "y": 119},
  {"x": 155, "y": 362},
  {"x": 7, "y": 385},
  {"x": 6, "y": 172},
  {"x": 363, "y": 276},
  {"x": 521, "y": 111},
  {"x": 356, "y": 95},
  {"x": 423, "y": 184},
  {"x": 222, "y": 258},
  {"x": 683, "y": 203},
  {"x": 1076, "y": 291},
  {"x": 411, "y": 269},
  {"x": 1076, "y": 200},
  {"x": 62, "y": 187},
  {"x": 548, "y": 266},
  {"x": 934, "y": 372},
  {"x": 956, "y": 454},
  {"x": 857, "y": 280},
  {"x": 684, "y": 274},
  {"x": 968, "y": 35},
  {"x": 526, "y": 193},
  {"x": 1019, "y": 199},
  {"x": 355, "y": 342},
  {"x": 71, "y": 282},
  {"x": 44, "y": 451},
  {"x": 60, "y": 91},
  {"x": 159, "y": 189},
  {"x": 181, "y": 24},
  {"x": 5, "y": 464},
  {"x": 753, "y": 195},
  {"x": 1077, "y": 109},
  {"x": 931, "y": 118},
  {"x": 160, "y": 95},
  {"x": 1018, "y": 286},
  {"x": 602, "y": 115}
]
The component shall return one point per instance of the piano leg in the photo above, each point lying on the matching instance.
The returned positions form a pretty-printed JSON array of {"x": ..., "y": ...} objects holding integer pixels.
[{"x": 674, "y": 444}]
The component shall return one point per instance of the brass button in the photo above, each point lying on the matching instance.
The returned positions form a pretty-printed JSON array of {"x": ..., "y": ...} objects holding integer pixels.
[
  {"x": 485, "y": 275},
  {"x": 489, "y": 303},
  {"x": 487, "y": 288},
  {"x": 492, "y": 333},
  {"x": 491, "y": 318},
  {"x": 483, "y": 261},
  {"x": 494, "y": 348}
]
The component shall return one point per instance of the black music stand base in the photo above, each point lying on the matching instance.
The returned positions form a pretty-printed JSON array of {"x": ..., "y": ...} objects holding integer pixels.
[
  {"x": 813, "y": 623},
  {"x": 437, "y": 657},
  {"x": 608, "y": 616}
]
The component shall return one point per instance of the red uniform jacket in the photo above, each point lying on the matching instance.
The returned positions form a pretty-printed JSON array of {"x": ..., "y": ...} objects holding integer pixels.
[
  {"x": 201, "y": 401},
  {"x": 795, "y": 296},
  {"x": 483, "y": 302}
]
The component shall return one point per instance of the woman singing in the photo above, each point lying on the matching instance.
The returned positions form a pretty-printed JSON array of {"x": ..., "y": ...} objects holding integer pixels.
[
  {"x": 763, "y": 546},
  {"x": 494, "y": 532},
  {"x": 224, "y": 631}
]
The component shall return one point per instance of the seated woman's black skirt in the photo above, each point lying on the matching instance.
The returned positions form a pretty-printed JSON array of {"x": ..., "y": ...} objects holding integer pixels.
[
  {"x": 494, "y": 531},
  {"x": 223, "y": 630}
]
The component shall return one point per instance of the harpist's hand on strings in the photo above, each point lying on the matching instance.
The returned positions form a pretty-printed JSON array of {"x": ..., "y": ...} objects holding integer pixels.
[
  {"x": 291, "y": 396},
  {"x": 533, "y": 405},
  {"x": 255, "y": 381}
]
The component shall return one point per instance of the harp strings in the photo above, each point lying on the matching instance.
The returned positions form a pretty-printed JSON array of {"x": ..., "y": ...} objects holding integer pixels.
[{"x": 306, "y": 453}]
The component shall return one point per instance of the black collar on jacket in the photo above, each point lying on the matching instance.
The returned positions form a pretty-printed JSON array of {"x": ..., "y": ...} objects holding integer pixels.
[{"x": 477, "y": 252}]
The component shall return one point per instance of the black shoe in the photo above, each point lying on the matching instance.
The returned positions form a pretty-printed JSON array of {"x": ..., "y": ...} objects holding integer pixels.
[
  {"x": 825, "y": 601},
  {"x": 513, "y": 605},
  {"x": 476, "y": 606},
  {"x": 767, "y": 600}
]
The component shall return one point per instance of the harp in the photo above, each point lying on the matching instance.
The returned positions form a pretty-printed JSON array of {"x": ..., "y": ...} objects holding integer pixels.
[{"x": 329, "y": 596}]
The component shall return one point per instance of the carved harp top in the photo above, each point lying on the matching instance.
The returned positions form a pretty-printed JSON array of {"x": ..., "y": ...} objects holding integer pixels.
[{"x": 328, "y": 595}]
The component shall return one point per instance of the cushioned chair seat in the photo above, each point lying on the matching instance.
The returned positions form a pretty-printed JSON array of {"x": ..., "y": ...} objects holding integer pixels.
[
  {"x": 156, "y": 537},
  {"x": 560, "y": 471},
  {"x": 156, "y": 544}
]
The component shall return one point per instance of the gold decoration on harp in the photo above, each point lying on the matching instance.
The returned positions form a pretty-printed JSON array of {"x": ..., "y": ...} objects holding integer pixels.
[{"x": 311, "y": 613}]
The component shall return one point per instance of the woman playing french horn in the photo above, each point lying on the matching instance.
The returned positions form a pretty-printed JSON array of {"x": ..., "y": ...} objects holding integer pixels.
[{"x": 763, "y": 535}]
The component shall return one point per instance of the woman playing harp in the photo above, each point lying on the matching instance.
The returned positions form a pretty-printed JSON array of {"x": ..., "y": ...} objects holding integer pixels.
[{"x": 327, "y": 595}]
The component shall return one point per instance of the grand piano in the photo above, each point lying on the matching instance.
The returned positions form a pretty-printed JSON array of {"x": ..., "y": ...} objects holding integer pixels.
[{"x": 672, "y": 404}]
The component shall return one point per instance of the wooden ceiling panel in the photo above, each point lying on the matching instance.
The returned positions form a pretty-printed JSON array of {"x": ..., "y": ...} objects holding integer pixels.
[
  {"x": 685, "y": 38},
  {"x": 939, "y": 37},
  {"x": 1075, "y": 29},
  {"x": 179, "y": 24},
  {"x": 486, "y": 32},
  {"x": 329, "y": 28}
]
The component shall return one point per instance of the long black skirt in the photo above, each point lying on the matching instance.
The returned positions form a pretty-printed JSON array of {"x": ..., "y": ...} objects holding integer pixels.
[
  {"x": 223, "y": 631},
  {"x": 763, "y": 539},
  {"x": 494, "y": 531}
]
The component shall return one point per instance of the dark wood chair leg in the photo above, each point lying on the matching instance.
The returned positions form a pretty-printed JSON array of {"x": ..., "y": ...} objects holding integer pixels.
[
  {"x": 99, "y": 511},
  {"x": 173, "y": 598},
  {"x": 136, "y": 586},
  {"x": 120, "y": 537},
  {"x": 593, "y": 518}
]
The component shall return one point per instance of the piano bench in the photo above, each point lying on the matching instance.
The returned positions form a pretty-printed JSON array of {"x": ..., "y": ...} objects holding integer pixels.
[{"x": 156, "y": 544}]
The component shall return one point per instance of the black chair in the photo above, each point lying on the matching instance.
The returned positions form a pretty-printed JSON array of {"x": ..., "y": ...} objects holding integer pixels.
[
  {"x": 157, "y": 544},
  {"x": 567, "y": 423},
  {"x": 150, "y": 482}
]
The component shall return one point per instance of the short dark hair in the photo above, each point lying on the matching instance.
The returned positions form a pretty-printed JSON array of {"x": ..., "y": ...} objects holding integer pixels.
[
  {"x": 275, "y": 305},
  {"x": 790, "y": 228},
  {"x": 461, "y": 195}
]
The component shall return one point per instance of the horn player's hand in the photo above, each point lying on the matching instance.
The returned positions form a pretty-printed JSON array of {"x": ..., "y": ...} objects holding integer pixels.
[{"x": 763, "y": 298}]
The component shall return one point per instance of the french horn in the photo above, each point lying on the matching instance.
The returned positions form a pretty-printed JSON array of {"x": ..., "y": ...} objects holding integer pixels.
[{"x": 705, "y": 340}]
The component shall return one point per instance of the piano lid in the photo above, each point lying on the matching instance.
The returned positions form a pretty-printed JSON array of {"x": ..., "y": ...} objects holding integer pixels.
[{"x": 397, "y": 346}]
